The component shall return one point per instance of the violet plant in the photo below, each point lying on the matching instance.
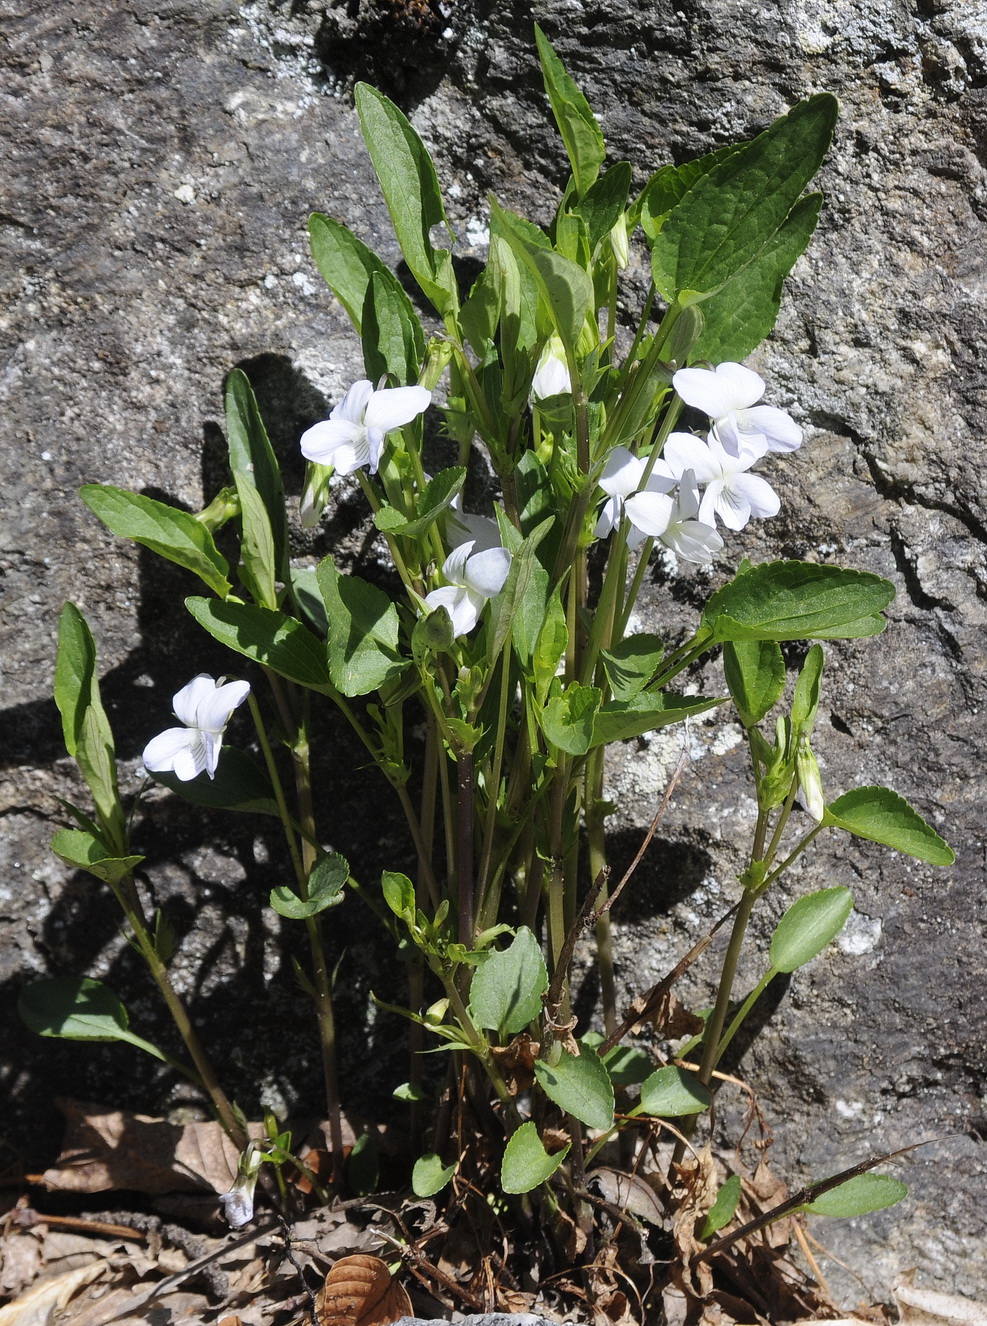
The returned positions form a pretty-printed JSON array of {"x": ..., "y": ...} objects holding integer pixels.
[{"x": 511, "y": 639}]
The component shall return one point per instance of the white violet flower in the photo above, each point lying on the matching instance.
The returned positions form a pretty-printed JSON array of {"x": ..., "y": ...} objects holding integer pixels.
[
  {"x": 552, "y": 374},
  {"x": 353, "y": 435},
  {"x": 731, "y": 493},
  {"x": 728, "y": 394},
  {"x": 621, "y": 478},
  {"x": 474, "y": 578},
  {"x": 205, "y": 707},
  {"x": 238, "y": 1203},
  {"x": 673, "y": 519}
]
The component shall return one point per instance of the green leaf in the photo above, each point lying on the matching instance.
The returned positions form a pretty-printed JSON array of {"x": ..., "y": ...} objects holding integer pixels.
[
  {"x": 755, "y": 676},
  {"x": 808, "y": 926},
  {"x": 671, "y": 1092},
  {"x": 85, "y": 727},
  {"x": 580, "y": 1085},
  {"x": 438, "y": 496},
  {"x": 526, "y": 1163},
  {"x": 399, "y": 894},
  {"x": 364, "y": 631},
  {"x": 574, "y": 116},
  {"x": 723, "y": 1208},
  {"x": 253, "y": 464},
  {"x": 631, "y": 664},
  {"x": 619, "y": 720},
  {"x": 363, "y": 1165},
  {"x": 86, "y": 852},
  {"x": 566, "y": 290},
  {"x": 430, "y": 1176},
  {"x": 507, "y": 988},
  {"x": 78, "y": 1009},
  {"x": 798, "y": 601},
  {"x": 411, "y": 191},
  {"x": 734, "y": 210},
  {"x": 346, "y": 264},
  {"x": 507, "y": 608},
  {"x": 742, "y": 314},
  {"x": 257, "y": 553},
  {"x": 805, "y": 701},
  {"x": 567, "y": 720},
  {"x": 669, "y": 185},
  {"x": 883, "y": 816},
  {"x": 859, "y": 1196},
  {"x": 325, "y": 889},
  {"x": 270, "y": 638},
  {"x": 603, "y": 205},
  {"x": 238, "y": 785},
  {"x": 393, "y": 340},
  {"x": 172, "y": 534}
]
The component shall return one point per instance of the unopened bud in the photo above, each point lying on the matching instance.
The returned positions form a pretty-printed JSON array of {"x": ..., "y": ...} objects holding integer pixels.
[
  {"x": 810, "y": 782},
  {"x": 619, "y": 243},
  {"x": 315, "y": 494}
]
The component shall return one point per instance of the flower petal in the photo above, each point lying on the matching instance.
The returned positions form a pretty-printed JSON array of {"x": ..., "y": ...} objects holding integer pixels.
[
  {"x": 353, "y": 404},
  {"x": 394, "y": 406},
  {"x": 622, "y": 473},
  {"x": 758, "y": 494},
  {"x": 334, "y": 442},
  {"x": 187, "y": 701},
  {"x": 486, "y": 572},
  {"x": 650, "y": 512},
  {"x": 693, "y": 541},
  {"x": 778, "y": 426},
  {"x": 214, "y": 709},
  {"x": 454, "y": 566},
  {"x": 458, "y": 603},
  {"x": 685, "y": 451},
  {"x": 720, "y": 391}
]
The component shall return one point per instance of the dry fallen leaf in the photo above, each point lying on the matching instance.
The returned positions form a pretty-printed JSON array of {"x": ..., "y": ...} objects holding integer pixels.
[
  {"x": 107, "y": 1149},
  {"x": 42, "y": 1301},
  {"x": 927, "y": 1307},
  {"x": 359, "y": 1291}
]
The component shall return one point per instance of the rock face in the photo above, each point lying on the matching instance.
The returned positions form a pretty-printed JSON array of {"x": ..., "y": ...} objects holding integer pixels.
[{"x": 163, "y": 157}]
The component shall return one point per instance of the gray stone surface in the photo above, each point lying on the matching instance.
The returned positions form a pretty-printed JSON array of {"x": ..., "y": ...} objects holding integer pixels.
[{"x": 163, "y": 156}]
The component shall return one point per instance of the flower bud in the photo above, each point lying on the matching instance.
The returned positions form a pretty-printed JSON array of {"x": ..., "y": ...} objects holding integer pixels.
[
  {"x": 619, "y": 242},
  {"x": 810, "y": 782},
  {"x": 315, "y": 494}
]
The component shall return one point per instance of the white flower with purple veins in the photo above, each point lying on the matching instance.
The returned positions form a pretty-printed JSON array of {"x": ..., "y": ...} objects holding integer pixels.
[
  {"x": 621, "y": 478},
  {"x": 205, "y": 707},
  {"x": 728, "y": 394},
  {"x": 731, "y": 493},
  {"x": 474, "y": 578},
  {"x": 353, "y": 435},
  {"x": 673, "y": 519}
]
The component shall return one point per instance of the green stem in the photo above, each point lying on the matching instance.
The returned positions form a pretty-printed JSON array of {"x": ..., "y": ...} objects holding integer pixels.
[{"x": 743, "y": 1010}]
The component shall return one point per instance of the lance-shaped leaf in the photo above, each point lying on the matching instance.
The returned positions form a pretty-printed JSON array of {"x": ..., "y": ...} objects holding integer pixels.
[
  {"x": 797, "y": 601},
  {"x": 669, "y": 185},
  {"x": 604, "y": 204},
  {"x": 254, "y": 464},
  {"x": 85, "y": 727},
  {"x": 526, "y": 1163},
  {"x": 574, "y": 116},
  {"x": 805, "y": 701},
  {"x": 507, "y": 987},
  {"x": 734, "y": 210},
  {"x": 347, "y": 265},
  {"x": 238, "y": 784},
  {"x": 808, "y": 926},
  {"x": 270, "y": 638},
  {"x": 580, "y": 1085},
  {"x": 566, "y": 290},
  {"x": 859, "y": 1196},
  {"x": 619, "y": 720},
  {"x": 755, "y": 675},
  {"x": 83, "y": 850},
  {"x": 172, "y": 534},
  {"x": 364, "y": 632},
  {"x": 411, "y": 190},
  {"x": 78, "y": 1009},
  {"x": 723, "y": 1208},
  {"x": 393, "y": 340},
  {"x": 741, "y": 315},
  {"x": 885, "y": 817}
]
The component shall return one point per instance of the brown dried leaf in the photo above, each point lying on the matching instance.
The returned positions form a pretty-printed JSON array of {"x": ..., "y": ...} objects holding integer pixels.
[
  {"x": 517, "y": 1062},
  {"x": 927, "y": 1307},
  {"x": 38, "y": 1306},
  {"x": 359, "y": 1291},
  {"x": 115, "y": 1149}
]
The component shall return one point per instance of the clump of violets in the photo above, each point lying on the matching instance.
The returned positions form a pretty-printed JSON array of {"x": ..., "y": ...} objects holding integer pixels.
[{"x": 661, "y": 498}]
